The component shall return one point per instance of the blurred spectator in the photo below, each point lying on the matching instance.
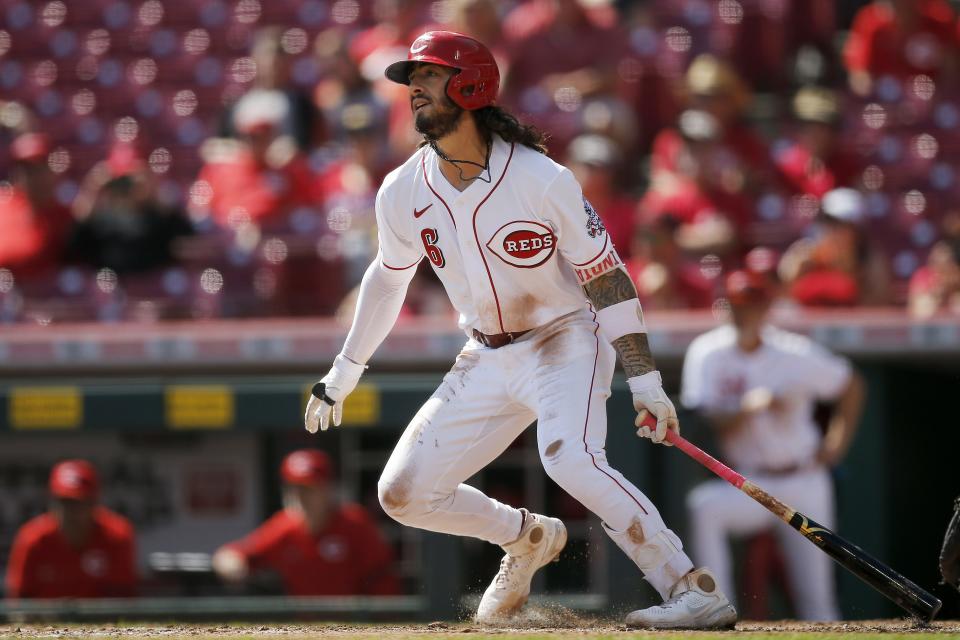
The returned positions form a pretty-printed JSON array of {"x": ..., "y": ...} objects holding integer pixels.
[
  {"x": 300, "y": 119},
  {"x": 703, "y": 190},
  {"x": 397, "y": 24},
  {"x": 344, "y": 85},
  {"x": 350, "y": 184},
  {"x": 595, "y": 161},
  {"x": 78, "y": 549},
  {"x": 33, "y": 225},
  {"x": 564, "y": 56},
  {"x": 901, "y": 39},
  {"x": 316, "y": 544},
  {"x": 836, "y": 264},
  {"x": 935, "y": 286},
  {"x": 480, "y": 19},
  {"x": 817, "y": 160},
  {"x": 261, "y": 179},
  {"x": 121, "y": 222},
  {"x": 646, "y": 77},
  {"x": 707, "y": 171},
  {"x": 714, "y": 87},
  {"x": 757, "y": 385},
  {"x": 665, "y": 276}
]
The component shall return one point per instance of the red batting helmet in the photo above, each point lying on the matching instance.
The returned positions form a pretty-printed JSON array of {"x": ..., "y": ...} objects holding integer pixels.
[
  {"x": 306, "y": 467},
  {"x": 745, "y": 287},
  {"x": 74, "y": 480},
  {"x": 478, "y": 79}
]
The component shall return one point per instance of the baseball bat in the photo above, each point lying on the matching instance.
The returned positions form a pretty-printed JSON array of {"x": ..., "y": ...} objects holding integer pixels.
[{"x": 901, "y": 590}]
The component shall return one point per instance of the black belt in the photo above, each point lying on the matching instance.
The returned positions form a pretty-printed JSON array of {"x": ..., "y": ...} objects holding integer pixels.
[{"x": 497, "y": 340}]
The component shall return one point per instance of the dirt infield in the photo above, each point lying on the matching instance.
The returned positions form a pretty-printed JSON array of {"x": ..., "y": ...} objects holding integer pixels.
[{"x": 583, "y": 629}]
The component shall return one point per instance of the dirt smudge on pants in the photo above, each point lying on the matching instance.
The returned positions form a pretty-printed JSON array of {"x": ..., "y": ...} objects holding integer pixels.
[
  {"x": 396, "y": 492},
  {"x": 635, "y": 532},
  {"x": 553, "y": 449},
  {"x": 456, "y": 379},
  {"x": 550, "y": 348}
]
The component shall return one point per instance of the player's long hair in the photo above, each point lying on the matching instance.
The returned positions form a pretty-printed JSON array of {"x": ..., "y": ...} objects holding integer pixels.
[{"x": 495, "y": 119}]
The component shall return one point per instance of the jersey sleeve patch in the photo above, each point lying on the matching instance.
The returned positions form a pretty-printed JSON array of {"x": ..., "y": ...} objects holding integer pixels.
[{"x": 594, "y": 223}]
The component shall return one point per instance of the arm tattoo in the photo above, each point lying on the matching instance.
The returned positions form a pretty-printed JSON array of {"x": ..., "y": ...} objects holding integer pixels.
[
  {"x": 633, "y": 349},
  {"x": 635, "y": 356},
  {"x": 610, "y": 288}
]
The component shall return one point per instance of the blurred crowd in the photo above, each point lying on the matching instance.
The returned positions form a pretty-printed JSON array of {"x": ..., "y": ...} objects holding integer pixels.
[{"x": 213, "y": 158}]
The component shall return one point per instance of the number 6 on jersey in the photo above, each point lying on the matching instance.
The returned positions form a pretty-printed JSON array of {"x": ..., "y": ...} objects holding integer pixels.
[{"x": 430, "y": 237}]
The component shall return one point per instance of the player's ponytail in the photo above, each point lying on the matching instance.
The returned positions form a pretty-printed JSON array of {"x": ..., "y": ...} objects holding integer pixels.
[{"x": 494, "y": 119}]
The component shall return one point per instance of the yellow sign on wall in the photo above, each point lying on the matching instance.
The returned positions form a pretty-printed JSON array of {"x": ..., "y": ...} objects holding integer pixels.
[
  {"x": 362, "y": 407},
  {"x": 45, "y": 408},
  {"x": 199, "y": 406}
]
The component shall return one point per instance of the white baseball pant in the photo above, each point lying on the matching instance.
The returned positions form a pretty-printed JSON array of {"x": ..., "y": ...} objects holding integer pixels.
[
  {"x": 719, "y": 511},
  {"x": 558, "y": 374}
]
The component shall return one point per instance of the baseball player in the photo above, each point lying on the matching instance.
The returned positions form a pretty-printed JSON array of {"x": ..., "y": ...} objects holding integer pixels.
[
  {"x": 544, "y": 301},
  {"x": 78, "y": 548},
  {"x": 317, "y": 545},
  {"x": 757, "y": 386}
]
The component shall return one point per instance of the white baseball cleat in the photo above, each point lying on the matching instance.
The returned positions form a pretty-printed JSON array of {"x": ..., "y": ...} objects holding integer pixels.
[
  {"x": 541, "y": 540},
  {"x": 695, "y": 603}
]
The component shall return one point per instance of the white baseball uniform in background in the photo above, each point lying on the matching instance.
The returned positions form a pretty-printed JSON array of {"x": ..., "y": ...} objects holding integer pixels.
[
  {"x": 512, "y": 254},
  {"x": 775, "y": 449}
]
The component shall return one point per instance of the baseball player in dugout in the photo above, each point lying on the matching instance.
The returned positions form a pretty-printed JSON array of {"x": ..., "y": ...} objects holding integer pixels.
[
  {"x": 78, "y": 549},
  {"x": 546, "y": 306},
  {"x": 315, "y": 544},
  {"x": 757, "y": 385}
]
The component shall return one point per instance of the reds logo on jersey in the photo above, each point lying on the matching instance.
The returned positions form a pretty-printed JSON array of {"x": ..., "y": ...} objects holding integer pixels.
[{"x": 523, "y": 243}]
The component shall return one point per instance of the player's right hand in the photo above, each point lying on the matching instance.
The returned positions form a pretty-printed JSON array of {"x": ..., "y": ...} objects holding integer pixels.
[
  {"x": 338, "y": 384},
  {"x": 649, "y": 398}
]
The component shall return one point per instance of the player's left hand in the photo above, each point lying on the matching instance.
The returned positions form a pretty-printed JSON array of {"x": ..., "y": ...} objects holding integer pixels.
[
  {"x": 337, "y": 385},
  {"x": 650, "y": 398}
]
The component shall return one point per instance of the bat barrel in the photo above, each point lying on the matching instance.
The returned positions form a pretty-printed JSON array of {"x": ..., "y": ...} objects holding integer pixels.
[{"x": 915, "y": 600}]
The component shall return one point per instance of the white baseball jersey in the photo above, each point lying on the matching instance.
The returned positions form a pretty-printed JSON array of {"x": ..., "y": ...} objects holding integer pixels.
[
  {"x": 717, "y": 373},
  {"x": 512, "y": 253}
]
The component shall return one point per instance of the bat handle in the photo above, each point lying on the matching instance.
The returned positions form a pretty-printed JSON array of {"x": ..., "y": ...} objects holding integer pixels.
[{"x": 697, "y": 453}]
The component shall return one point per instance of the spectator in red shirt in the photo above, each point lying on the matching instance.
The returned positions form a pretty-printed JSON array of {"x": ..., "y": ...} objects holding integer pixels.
[
  {"x": 817, "y": 161},
  {"x": 704, "y": 190},
  {"x": 708, "y": 170},
  {"x": 836, "y": 264},
  {"x": 901, "y": 38},
  {"x": 260, "y": 180},
  {"x": 33, "y": 225},
  {"x": 665, "y": 276},
  {"x": 317, "y": 545},
  {"x": 78, "y": 549}
]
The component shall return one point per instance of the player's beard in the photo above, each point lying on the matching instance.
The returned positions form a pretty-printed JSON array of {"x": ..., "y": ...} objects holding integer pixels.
[{"x": 443, "y": 121}]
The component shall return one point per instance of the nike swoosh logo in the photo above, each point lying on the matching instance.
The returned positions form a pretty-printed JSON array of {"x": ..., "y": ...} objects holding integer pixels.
[
  {"x": 696, "y": 608},
  {"x": 419, "y": 212},
  {"x": 417, "y": 48}
]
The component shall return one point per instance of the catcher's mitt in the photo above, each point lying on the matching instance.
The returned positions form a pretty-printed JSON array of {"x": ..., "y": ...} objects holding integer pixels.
[{"x": 950, "y": 553}]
